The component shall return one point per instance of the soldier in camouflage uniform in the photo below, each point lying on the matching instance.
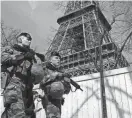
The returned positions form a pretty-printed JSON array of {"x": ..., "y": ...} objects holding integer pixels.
[
  {"x": 55, "y": 85},
  {"x": 18, "y": 98}
]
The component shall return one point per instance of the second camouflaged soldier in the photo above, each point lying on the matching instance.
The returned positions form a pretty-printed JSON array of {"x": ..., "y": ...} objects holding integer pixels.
[{"x": 55, "y": 85}]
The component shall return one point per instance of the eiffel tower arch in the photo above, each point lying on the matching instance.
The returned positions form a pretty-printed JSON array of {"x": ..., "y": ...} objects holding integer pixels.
[{"x": 78, "y": 42}]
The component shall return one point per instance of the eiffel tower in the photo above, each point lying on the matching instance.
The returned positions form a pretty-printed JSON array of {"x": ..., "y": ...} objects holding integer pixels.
[{"x": 78, "y": 39}]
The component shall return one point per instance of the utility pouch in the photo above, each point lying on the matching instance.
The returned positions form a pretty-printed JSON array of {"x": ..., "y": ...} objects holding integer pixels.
[
  {"x": 10, "y": 95},
  {"x": 5, "y": 78}
]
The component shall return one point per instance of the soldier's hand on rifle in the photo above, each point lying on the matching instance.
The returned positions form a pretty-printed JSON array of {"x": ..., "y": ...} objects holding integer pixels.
[
  {"x": 55, "y": 74},
  {"x": 60, "y": 74}
]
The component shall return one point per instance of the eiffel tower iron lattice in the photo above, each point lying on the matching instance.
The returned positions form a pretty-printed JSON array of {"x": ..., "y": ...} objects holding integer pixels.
[{"x": 78, "y": 40}]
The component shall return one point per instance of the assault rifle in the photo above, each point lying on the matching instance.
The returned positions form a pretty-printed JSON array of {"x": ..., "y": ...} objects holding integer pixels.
[
  {"x": 49, "y": 66},
  {"x": 75, "y": 84},
  {"x": 25, "y": 50}
]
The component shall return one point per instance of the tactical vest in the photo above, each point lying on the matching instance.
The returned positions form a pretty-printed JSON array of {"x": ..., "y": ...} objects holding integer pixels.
[{"x": 58, "y": 86}]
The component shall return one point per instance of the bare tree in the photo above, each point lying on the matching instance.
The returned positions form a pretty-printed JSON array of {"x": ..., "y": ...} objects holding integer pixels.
[
  {"x": 61, "y": 5},
  {"x": 120, "y": 19},
  {"x": 8, "y": 35}
]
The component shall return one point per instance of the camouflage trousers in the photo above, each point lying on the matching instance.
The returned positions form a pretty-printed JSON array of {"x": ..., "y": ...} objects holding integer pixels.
[
  {"x": 13, "y": 99},
  {"x": 52, "y": 107}
]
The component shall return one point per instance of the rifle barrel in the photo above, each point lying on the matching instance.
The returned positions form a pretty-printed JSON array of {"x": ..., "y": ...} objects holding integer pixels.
[{"x": 77, "y": 86}]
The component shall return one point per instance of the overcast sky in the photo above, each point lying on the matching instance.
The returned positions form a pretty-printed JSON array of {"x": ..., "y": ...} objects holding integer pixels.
[{"x": 36, "y": 18}]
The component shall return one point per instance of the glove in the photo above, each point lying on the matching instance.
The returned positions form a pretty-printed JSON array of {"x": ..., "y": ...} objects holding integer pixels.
[
  {"x": 60, "y": 74},
  {"x": 29, "y": 55},
  {"x": 67, "y": 75}
]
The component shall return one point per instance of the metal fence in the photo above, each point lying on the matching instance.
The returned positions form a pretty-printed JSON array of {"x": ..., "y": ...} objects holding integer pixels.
[{"x": 87, "y": 104}]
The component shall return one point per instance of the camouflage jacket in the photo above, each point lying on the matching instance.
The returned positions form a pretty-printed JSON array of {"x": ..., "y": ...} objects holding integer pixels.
[
  {"x": 21, "y": 69},
  {"x": 49, "y": 78}
]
